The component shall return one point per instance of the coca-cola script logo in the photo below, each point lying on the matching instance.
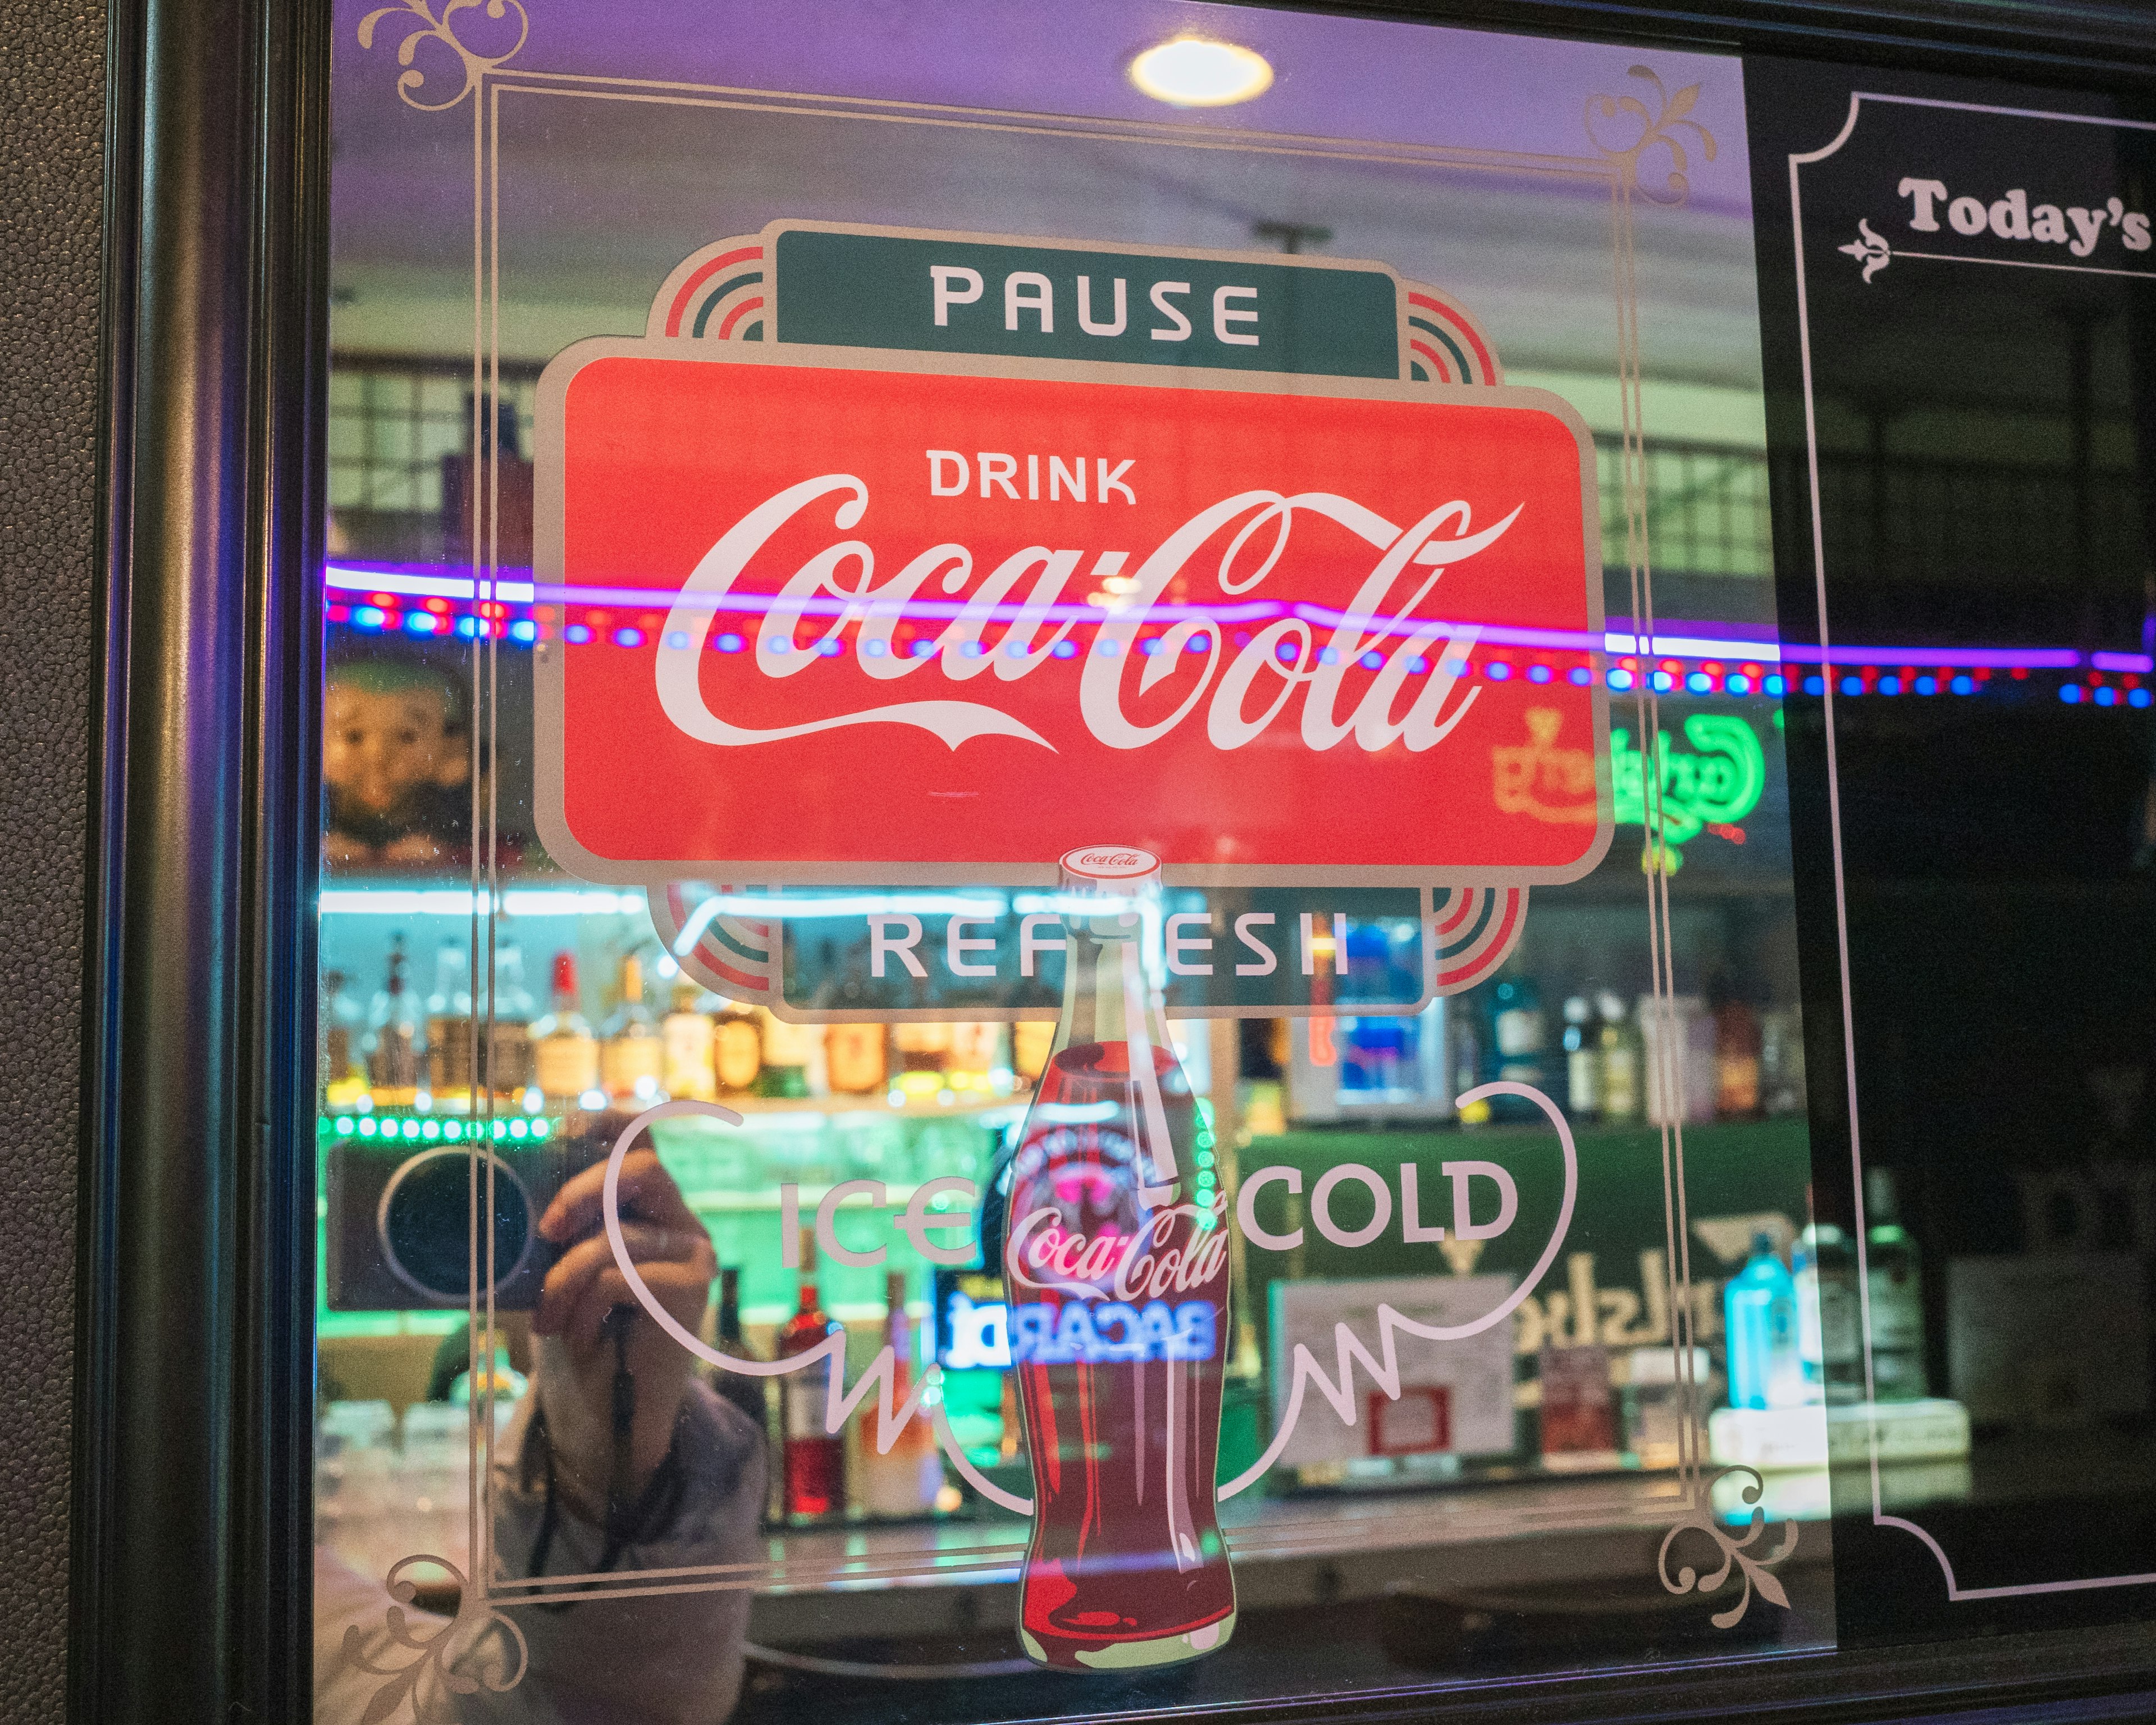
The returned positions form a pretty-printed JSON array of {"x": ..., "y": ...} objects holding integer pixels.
[{"x": 826, "y": 613}]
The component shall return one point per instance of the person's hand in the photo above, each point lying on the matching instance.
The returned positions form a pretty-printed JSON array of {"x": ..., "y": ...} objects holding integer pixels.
[{"x": 576, "y": 1354}]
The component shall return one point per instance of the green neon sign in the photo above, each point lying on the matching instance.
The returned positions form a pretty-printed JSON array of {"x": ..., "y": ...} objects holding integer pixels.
[{"x": 1718, "y": 782}]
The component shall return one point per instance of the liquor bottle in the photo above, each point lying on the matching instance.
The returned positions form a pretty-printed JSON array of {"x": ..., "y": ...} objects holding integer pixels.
[
  {"x": 855, "y": 1060},
  {"x": 630, "y": 1057},
  {"x": 1620, "y": 1060},
  {"x": 1031, "y": 1039},
  {"x": 1760, "y": 1311},
  {"x": 745, "y": 1393},
  {"x": 1782, "y": 1060},
  {"x": 737, "y": 1049},
  {"x": 1830, "y": 1321},
  {"x": 1583, "y": 1060},
  {"x": 394, "y": 1038},
  {"x": 905, "y": 1480},
  {"x": 1518, "y": 1040},
  {"x": 508, "y": 1071},
  {"x": 343, "y": 1081},
  {"x": 977, "y": 1050},
  {"x": 812, "y": 1459},
  {"x": 565, "y": 1057},
  {"x": 1465, "y": 1039},
  {"x": 688, "y": 1045},
  {"x": 449, "y": 1026},
  {"x": 1736, "y": 1060},
  {"x": 1126, "y": 1565},
  {"x": 792, "y": 1059},
  {"x": 1894, "y": 1288}
]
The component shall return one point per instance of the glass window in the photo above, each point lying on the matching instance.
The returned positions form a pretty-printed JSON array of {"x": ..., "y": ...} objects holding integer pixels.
[{"x": 1058, "y": 928}]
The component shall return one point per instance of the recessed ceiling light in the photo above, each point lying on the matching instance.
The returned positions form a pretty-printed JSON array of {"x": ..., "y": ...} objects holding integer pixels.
[{"x": 1192, "y": 72}]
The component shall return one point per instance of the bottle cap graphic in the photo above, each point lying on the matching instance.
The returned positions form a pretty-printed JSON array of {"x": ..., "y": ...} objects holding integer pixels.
[{"x": 1107, "y": 869}]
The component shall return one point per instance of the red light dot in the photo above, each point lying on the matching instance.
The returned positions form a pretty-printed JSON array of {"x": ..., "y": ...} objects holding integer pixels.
[{"x": 2020, "y": 673}]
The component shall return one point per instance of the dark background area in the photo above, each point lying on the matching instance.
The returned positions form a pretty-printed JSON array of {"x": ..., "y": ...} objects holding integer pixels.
[{"x": 1984, "y": 482}]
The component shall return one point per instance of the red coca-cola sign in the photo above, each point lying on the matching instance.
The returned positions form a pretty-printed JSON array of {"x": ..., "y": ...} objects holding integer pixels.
[{"x": 838, "y": 615}]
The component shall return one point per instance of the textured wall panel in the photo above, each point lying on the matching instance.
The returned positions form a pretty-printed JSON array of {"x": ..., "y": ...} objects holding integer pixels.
[{"x": 52, "y": 116}]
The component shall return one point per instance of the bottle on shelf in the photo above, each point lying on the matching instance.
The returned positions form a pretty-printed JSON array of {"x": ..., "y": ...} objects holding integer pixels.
[
  {"x": 792, "y": 1059},
  {"x": 1676, "y": 1047},
  {"x": 688, "y": 1068},
  {"x": 856, "y": 1060},
  {"x": 906, "y": 1479},
  {"x": 395, "y": 1039},
  {"x": 812, "y": 1461},
  {"x": 1782, "y": 1060},
  {"x": 1583, "y": 1060},
  {"x": 1759, "y": 1307},
  {"x": 1620, "y": 1042},
  {"x": 737, "y": 1049},
  {"x": 343, "y": 1081},
  {"x": 1736, "y": 1060},
  {"x": 565, "y": 1056},
  {"x": 630, "y": 1057},
  {"x": 749, "y": 1394},
  {"x": 923, "y": 1047},
  {"x": 1518, "y": 1044},
  {"x": 1830, "y": 1321},
  {"x": 977, "y": 1051},
  {"x": 1463, "y": 1033},
  {"x": 449, "y": 1027},
  {"x": 509, "y": 1069},
  {"x": 1894, "y": 1288}
]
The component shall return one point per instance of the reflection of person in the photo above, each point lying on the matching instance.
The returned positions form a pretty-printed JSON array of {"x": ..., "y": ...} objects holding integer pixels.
[
  {"x": 396, "y": 761},
  {"x": 586, "y": 1481}
]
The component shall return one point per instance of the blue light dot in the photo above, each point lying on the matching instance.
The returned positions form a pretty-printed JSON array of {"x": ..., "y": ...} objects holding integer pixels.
[
  {"x": 2070, "y": 694},
  {"x": 1963, "y": 685},
  {"x": 2106, "y": 697},
  {"x": 1149, "y": 646},
  {"x": 628, "y": 638},
  {"x": 1455, "y": 667},
  {"x": 2137, "y": 697},
  {"x": 921, "y": 649},
  {"x": 1927, "y": 685},
  {"x": 422, "y": 622},
  {"x": 576, "y": 634},
  {"x": 1104, "y": 648},
  {"x": 1815, "y": 686},
  {"x": 1418, "y": 665},
  {"x": 1496, "y": 670},
  {"x": 1776, "y": 686},
  {"x": 344, "y": 1126},
  {"x": 1662, "y": 681},
  {"x": 873, "y": 649},
  {"x": 1852, "y": 685},
  {"x": 729, "y": 643},
  {"x": 1066, "y": 650},
  {"x": 468, "y": 627},
  {"x": 1890, "y": 685},
  {"x": 677, "y": 639},
  {"x": 1579, "y": 676},
  {"x": 1737, "y": 683},
  {"x": 526, "y": 632},
  {"x": 776, "y": 645},
  {"x": 1328, "y": 655},
  {"x": 1285, "y": 651},
  {"x": 366, "y": 1128},
  {"x": 1538, "y": 674},
  {"x": 1372, "y": 661},
  {"x": 1699, "y": 683},
  {"x": 1199, "y": 644},
  {"x": 1620, "y": 680},
  {"x": 830, "y": 646}
]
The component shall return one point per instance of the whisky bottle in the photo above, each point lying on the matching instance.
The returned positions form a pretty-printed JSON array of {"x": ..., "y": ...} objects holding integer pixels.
[
  {"x": 1894, "y": 1288},
  {"x": 737, "y": 1049},
  {"x": 508, "y": 1044},
  {"x": 793, "y": 1058},
  {"x": 629, "y": 1059},
  {"x": 745, "y": 1393},
  {"x": 688, "y": 1051},
  {"x": 565, "y": 1056},
  {"x": 855, "y": 1060},
  {"x": 449, "y": 1027},
  {"x": 394, "y": 1038}
]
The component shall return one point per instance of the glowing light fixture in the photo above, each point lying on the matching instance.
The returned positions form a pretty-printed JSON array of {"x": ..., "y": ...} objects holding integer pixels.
[{"x": 1193, "y": 72}]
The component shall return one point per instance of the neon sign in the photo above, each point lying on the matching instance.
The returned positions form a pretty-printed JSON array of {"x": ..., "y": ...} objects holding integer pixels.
[
  {"x": 1719, "y": 785},
  {"x": 1095, "y": 1335}
]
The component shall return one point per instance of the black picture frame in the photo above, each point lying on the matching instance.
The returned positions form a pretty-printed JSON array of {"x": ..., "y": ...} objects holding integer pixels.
[{"x": 190, "y": 1591}]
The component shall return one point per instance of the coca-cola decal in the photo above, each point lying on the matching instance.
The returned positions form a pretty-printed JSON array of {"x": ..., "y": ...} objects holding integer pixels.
[{"x": 838, "y": 615}]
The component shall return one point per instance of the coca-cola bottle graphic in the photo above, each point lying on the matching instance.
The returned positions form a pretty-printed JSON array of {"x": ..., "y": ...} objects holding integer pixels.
[{"x": 1117, "y": 1281}]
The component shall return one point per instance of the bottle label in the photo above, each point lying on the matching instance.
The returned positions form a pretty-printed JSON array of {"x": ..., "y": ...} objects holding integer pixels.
[
  {"x": 804, "y": 1407},
  {"x": 1842, "y": 1329},
  {"x": 689, "y": 1071},
  {"x": 855, "y": 1056},
  {"x": 1897, "y": 1318},
  {"x": 740, "y": 1052},
  {"x": 1519, "y": 1031},
  {"x": 1620, "y": 1081},
  {"x": 566, "y": 1065},
  {"x": 1581, "y": 1071}
]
